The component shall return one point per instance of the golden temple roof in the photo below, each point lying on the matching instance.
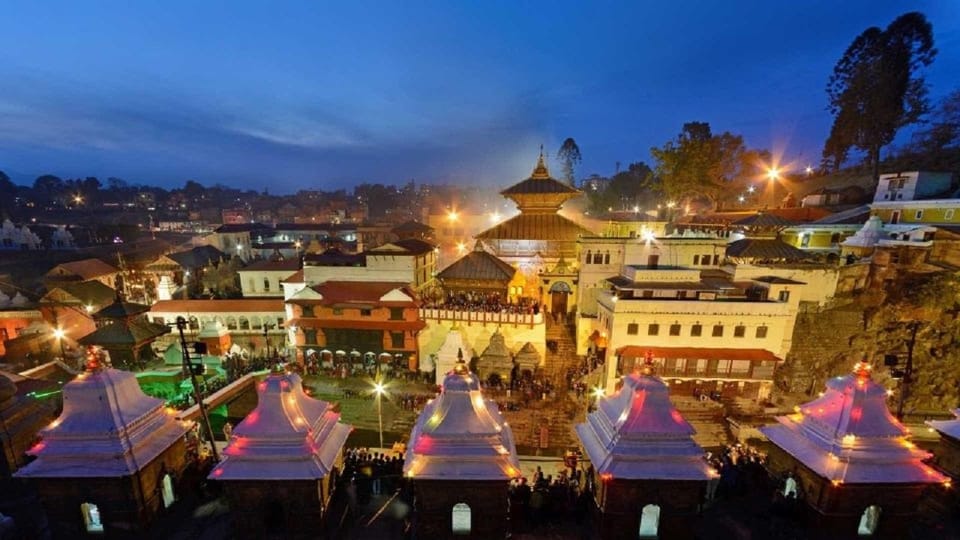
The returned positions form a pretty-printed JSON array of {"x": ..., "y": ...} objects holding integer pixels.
[{"x": 535, "y": 227}]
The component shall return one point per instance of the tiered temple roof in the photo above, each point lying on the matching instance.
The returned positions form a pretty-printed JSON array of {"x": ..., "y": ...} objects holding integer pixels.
[
  {"x": 108, "y": 428},
  {"x": 288, "y": 436},
  {"x": 637, "y": 434},
  {"x": 461, "y": 436},
  {"x": 849, "y": 436},
  {"x": 950, "y": 428}
]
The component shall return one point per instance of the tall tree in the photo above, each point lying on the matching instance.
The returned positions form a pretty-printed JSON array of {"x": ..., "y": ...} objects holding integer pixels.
[
  {"x": 699, "y": 164},
  {"x": 569, "y": 157},
  {"x": 877, "y": 88}
]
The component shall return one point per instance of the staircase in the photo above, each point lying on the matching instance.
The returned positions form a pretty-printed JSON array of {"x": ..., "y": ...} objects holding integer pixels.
[{"x": 706, "y": 417}]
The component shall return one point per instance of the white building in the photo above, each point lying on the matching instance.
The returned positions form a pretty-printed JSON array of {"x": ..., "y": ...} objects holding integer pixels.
[
  {"x": 911, "y": 186},
  {"x": 263, "y": 279}
]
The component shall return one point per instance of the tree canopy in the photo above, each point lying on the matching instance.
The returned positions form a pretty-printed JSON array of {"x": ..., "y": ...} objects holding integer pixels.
[
  {"x": 569, "y": 157},
  {"x": 877, "y": 88},
  {"x": 699, "y": 164}
]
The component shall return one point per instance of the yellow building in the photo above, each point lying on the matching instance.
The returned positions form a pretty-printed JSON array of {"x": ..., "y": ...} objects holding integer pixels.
[{"x": 926, "y": 212}]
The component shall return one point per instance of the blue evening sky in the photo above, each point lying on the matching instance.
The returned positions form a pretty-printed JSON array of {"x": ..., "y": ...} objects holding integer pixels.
[{"x": 290, "y": 95}]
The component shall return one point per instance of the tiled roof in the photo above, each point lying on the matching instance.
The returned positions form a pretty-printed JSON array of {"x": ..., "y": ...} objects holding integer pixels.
[
  {"x": 335, "y": 257},
  {"x": 764, "y": 219},
  {"x": 295, "y": 278},
  {"x": 242, "y": 227},
  {"x": 197, "y": 257},
  {"x": 91, "y": 293},
  {"x": 86, "y": 269},
  {"x": 478, "y": 264},
  {"x": 365, "y": 292},
  {"x": 121, "y": 310},
  {"x": 410, "y": 246},
  {"x": 765, "y": 249},
  {"x": 245, "y": 305},
  {"x": 535, "y": 227},
  {"x": 267, "y": 265},
  {"x": 411, "y": 226},
  {"x": 708, "y": 353},
  {"x": 131, "y": 333}
]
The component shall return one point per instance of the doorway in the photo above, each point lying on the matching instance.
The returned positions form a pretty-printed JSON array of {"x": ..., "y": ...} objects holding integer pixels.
[{"x": 559, "y": 292}]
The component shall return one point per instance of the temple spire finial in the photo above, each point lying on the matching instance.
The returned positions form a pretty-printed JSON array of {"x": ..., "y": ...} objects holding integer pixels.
[
  {"x": 540, "y": 171},
  {"x": 863, "y": 368}
]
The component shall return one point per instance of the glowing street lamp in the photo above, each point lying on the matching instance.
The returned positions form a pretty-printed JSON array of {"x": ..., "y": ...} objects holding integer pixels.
[
  {"x": 751, "y": 189},
  {"x": 495, "y": 217},
  {"x": 59, "y": 334},
  {"x": 809, "y": 170},
  {"x": 379, "y": 389},
  {"x": 452, "y": 215},
  {"x": 773, "y": 174},
  {"x": 461, "y": 247}
]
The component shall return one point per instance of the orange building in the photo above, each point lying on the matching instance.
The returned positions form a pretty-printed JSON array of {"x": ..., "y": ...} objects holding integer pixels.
[{"x": 372, "y": 319}]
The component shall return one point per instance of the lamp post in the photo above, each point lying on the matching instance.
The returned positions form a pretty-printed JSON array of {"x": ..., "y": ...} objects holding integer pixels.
[
  {"x": 379, "y": 389},
  {"x": 773, "y": 175},
  {"x": 181, "y": 325},
  {"x": 59, "y": 334}
]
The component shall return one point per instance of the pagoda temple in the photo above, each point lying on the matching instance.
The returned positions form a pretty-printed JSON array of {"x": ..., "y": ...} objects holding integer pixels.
[
  {"x": 112, "y": 461},
  {"x": 851, "y": 460},
  {"x": 948, "y": 451},
  {"x": 124, "y": 331},
  {"x": 538, "y": 236},
  {"x": 649, "y": 476},
  {"x": 281, "y": 464},
  {"x": 461, "y": 457}
]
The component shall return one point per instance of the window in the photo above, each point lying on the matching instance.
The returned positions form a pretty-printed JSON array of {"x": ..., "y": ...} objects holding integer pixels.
[
  {"x": 649, "y": 521},
  {"x": 588, "y": 258},
  {"x": 91, "y": 517},
  {"x": 166, "y": 491},
  {"x": 723, "y": 366},
  {"x": 869, "y": 521},
  {"x": 674, "y": 329},
  {"x": 633, "y": 329},
  {"x": 716, "y": 260},
  {"x": 718, "y": 330},
  {"x": 784, "y": 296},
  {"x": 681, "y": 294},
  {"x": 761, "y": 332},
  {"x": 648, "y": 294},
  {"x": 366, "y": 312},
  {"x": 307, "y": 311},
  {"x": 597, "y": 258},
  {"x": 310, "y": 336},
  {"x": 279, "y": 323},
  {"x": 396, "y": 314},
  {"x": 740, "y": 367},
  {"x": 696, "y": 330},
  {"x": 396, "y": 340},
  {"x": 948, "y": 214},
  {"x": 696, "y": 260},
  {"x": 653, "y": 329},
  {"x": 705, "y": 260},
  {"x": 266, "y": 284},
  {"x": 739, "y": 330},
  {"x": 244, "y": 323},
  {"x": 918, "y": 214},
  {"x": 461, "y": 519},
  {"x": 606, "y": 258},
  {"x": 337, "y": 311}
]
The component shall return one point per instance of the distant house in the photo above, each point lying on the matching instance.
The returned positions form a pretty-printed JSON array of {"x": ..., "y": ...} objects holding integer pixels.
[
  {"x": 263, "y": 278},
  {"x": 912, "y": 186},
  {"x": 81, "y": 271}
]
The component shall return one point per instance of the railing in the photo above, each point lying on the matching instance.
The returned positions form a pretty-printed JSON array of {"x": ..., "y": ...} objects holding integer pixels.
[
  {"x": 481, "y": 317},
  {"x": 759, "y": 373}
]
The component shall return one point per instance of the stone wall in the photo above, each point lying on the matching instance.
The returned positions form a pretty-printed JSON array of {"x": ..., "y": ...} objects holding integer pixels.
[{"x": 821, "y": 347}]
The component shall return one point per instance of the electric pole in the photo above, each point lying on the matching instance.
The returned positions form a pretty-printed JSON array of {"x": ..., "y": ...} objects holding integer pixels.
[{"x": 188, "y": 365}]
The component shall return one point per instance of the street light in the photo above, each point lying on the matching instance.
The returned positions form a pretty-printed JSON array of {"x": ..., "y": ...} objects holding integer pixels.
[
  {"x": 59, "y": 334},
  {"x": 773, "y": 174},
  {"x": 380, "y": 390},
  {"x": 452, "y": 215}
]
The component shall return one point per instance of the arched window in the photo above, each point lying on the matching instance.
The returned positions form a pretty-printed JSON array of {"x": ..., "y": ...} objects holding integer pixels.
[
  {"x": 461, "y": 519},
  {"x": 91, "y": 517},
  {"x": 231, "y": 323},
  {"x": 649, "y": 521},
  {"x": 606, "y": 258},
  {"x": 586, "y": 259},
  {"x": 256, "y": 323},
  {"x": 166, "y": 490},
  {"x": 244, "y": 323},
  {"x": 869, "y": 521}
]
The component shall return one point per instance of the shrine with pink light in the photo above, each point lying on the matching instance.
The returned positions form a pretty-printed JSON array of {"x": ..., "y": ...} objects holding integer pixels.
[
  {"x": 283, "y": 460},
  {"x": 852, "y": 461},
  {"x": 112, "y": 461},
  {"x": 649, "y": 475},
  {"x": 460, "y": 458}
]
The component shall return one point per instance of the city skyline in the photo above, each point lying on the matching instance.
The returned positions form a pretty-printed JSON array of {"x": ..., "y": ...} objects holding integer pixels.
[{"x": 296, "y": 98}]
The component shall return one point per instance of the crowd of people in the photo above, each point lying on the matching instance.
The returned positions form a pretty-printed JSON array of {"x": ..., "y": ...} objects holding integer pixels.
[
  {"x": 549, "y": 499},
  {"x": 483, "y": 302},
  {"x": 367, "y": 473}
]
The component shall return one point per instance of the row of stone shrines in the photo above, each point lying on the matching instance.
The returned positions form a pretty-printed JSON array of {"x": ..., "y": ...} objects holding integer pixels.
[{"x": 115, "y": 459}]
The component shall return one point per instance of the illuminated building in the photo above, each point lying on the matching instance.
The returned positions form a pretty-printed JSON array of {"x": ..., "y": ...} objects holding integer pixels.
[
  {"x": 460, "y": 458},
  {"x": 649, "y": 474},
  {"x": 282, "y": 461},
  {"x": 112, "y": 461},
  {"x": 857, "y": 470}
]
